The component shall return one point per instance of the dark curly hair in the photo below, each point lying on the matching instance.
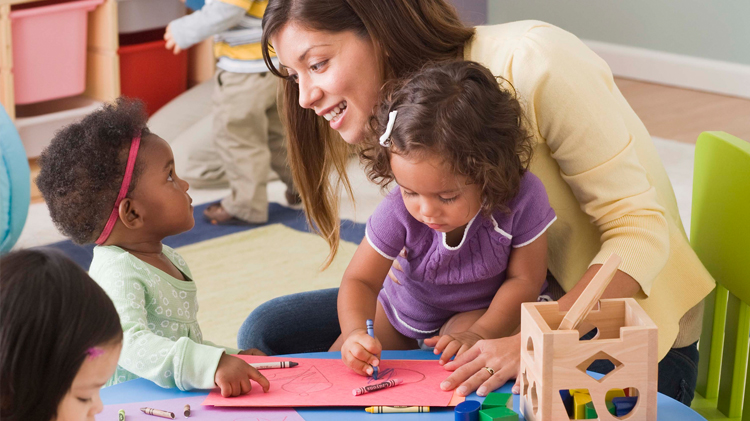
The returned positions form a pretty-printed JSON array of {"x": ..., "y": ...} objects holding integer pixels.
[
  {"x": 82, "y": 169},
  {"x": 458, "y": 111}
]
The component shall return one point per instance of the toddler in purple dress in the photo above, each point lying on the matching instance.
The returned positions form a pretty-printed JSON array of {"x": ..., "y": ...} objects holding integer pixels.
[{"x": 466, "y": 223}]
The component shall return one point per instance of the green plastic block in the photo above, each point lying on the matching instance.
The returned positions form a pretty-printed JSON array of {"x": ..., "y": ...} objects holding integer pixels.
[
  {"x": 498, "y": 400},
  {"x": 498, "y": 414},
  {"x": 611, "y": 407},
  {"x": 579, "y": 405},
  {"x": 590, "y": 411}
]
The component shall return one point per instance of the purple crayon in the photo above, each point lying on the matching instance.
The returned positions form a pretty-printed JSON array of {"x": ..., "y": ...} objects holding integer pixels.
[{"x": 376, "y": 387}]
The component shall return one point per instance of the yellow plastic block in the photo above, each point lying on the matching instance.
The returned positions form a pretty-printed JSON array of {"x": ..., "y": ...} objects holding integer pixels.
[
  {"x": 579, "y": 405},
  {"x": 614, "y": 393}
]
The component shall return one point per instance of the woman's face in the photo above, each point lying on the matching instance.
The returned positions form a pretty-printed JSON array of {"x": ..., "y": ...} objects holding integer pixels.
[
  {"x": 337, "y": 73},
  {"x": 82, "y": 401}
]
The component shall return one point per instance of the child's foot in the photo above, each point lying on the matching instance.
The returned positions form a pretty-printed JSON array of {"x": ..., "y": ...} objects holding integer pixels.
[{"x": 217, "y": 215}]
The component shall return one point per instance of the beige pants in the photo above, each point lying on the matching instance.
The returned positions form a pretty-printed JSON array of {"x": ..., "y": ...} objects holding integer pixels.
[{"x": 236, "y": 138}]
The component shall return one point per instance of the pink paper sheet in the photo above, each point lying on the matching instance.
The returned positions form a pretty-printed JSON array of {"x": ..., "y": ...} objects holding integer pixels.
[
  {"x": 318, "y": 382},
  {"x": 197, "y": 412}
]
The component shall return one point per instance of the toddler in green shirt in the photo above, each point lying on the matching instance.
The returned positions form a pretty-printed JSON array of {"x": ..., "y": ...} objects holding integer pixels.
[{"x": 111, "y": 158}]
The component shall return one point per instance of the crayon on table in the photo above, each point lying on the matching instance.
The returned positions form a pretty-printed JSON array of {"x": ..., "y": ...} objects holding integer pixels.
[
  {"x": 158, "y": 413},
  {"x": 375, "y": 387},
  {"x": 276, "y": 364},
  {"x": 121, "y": 415},
  {"x": 396, "y": 409},
  {"x": 371, "y": 332},
  {"x": 186, "y": 412}
]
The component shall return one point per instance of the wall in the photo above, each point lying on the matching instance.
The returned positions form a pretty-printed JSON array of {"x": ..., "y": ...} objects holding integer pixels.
[{"x": 707, "y": 40}]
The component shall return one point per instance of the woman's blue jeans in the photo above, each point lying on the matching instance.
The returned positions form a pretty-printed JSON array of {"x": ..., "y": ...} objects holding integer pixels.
[{"x": 308, "y": 322}]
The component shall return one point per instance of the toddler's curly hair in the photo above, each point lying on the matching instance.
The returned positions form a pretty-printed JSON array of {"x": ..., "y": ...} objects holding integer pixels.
[
  {"x": 82, "y": 169},
  {"x": 458, "y": 111}
]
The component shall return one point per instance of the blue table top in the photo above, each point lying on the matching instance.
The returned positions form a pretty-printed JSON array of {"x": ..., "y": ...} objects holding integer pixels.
[{"x": 143, "y": 390}]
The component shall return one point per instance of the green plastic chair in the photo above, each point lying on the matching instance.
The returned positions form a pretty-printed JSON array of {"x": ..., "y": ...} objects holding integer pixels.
[{"x": 720, "y": 235}]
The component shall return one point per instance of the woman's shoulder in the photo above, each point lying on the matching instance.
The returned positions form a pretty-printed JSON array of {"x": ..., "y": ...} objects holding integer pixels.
[
  {"x": 510, "y": 35},
  {"x": 520, "y": 50}
]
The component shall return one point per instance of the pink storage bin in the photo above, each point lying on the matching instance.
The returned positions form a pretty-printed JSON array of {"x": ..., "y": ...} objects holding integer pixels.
[{"x": 49, "y": 50}]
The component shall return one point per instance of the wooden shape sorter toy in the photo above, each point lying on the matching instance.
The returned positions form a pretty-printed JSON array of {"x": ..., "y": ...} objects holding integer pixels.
[{"x": 554, "y": 361}]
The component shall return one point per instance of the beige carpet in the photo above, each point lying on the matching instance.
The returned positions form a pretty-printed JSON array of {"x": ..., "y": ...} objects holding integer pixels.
[{"x": 236, "y": 273}]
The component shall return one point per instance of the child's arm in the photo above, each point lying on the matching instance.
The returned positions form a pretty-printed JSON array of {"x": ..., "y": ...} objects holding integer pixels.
[
  {"x": 149, "y": 351},
  {"x": 213, "y": 18},
  {"x": 357, "y": 300},
  {"x": 526, "y": 273}
]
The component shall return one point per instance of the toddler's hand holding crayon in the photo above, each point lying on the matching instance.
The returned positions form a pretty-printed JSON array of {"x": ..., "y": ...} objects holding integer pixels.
[
  {"x": 453, "y": 344},
  {"x": 233, "y": 377},
  {"x": 361, "y": 352}
]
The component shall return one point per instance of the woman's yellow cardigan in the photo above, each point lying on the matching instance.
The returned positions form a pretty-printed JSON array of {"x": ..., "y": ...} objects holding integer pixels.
[{"x": 602, "y": 173}]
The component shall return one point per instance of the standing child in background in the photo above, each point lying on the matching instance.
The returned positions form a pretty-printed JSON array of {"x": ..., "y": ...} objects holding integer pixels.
[
  {"x": 247, "y": 130},
  {"x": 60, "y": 338},
  {"x": 469, "y": 216},
  {"x": 108, "y": 180}
]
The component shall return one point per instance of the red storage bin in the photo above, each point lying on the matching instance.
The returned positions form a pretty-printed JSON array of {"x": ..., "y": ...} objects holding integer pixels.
[{"x": 152, "y": 73}]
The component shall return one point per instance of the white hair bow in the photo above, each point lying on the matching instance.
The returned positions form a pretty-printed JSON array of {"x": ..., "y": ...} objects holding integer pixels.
[{"x": 385, "y": 138}]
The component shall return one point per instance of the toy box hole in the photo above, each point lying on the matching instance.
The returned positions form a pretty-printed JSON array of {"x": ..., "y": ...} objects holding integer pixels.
[
  {"x": 534, "y": 399},
  {"x": 621, "y": 402},
  {"x": 602, "y": 363},
  {"x": 530, "y": 347},
  {"x": 578, "y": 404}
]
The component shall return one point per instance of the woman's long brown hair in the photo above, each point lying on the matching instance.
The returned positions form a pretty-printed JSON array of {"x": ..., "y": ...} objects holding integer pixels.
[{"x": 406, "y": 34}]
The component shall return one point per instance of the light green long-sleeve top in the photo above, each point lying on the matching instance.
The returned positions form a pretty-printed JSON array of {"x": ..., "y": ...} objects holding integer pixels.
[{"x": 163, "y": 342}]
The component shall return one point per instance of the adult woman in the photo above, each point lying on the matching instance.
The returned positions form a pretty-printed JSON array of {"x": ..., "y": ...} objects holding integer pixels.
[{"x": 594, "y": 156}]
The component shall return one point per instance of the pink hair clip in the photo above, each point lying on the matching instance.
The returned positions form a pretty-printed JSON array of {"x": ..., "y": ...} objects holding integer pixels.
[{"x": 94, "y": 352}]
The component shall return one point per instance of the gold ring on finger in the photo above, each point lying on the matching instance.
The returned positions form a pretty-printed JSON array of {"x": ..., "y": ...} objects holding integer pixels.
[{"x": 490, "y": 370}]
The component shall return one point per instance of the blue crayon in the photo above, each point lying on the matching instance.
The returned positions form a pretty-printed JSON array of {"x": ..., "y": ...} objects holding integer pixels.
[{"x": 371, "y": 332}]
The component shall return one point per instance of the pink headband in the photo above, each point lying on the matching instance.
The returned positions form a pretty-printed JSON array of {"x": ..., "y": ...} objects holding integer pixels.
[{"x": 123, "y": 190}]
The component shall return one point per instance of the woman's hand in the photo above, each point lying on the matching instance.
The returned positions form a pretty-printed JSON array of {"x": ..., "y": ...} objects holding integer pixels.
[
  {"x": 502, "y": 355},
  {"x": 455, "y": 343},
  {"x": 360, "y": 352}
]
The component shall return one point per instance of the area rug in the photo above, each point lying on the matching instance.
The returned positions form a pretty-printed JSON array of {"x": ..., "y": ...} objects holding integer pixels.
[{"x": 237, "y": 268}]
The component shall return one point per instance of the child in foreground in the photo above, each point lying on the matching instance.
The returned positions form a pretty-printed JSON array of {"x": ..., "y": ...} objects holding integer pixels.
[
  {"x": 469, "y": 216},
  {"x": 60, "y": 338},
  {"x": 108, "y": 180}
]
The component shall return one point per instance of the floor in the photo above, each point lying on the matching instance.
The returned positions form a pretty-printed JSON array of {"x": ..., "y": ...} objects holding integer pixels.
[
  {"x": 675, "y": 117},
  {"x": 682, "y": 114}
]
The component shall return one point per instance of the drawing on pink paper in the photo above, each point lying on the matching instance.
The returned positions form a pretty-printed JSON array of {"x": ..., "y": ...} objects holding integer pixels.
[
  {"x": 324, "y": 382},
  {"x": 310, "y": 381},
  {"x": 408, "y": 376}
]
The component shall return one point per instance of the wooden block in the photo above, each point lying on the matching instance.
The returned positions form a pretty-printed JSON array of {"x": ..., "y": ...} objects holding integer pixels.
[
  {"x": 498, "y": 414},
  {"x": 590, "y": 411},
  {"x": 591, "y": 294},
  {"x": 623, "y": 406},
  {"x": 498, "y": 400},
  {"x": 579, "y": 405}
]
